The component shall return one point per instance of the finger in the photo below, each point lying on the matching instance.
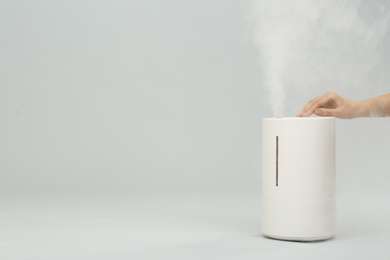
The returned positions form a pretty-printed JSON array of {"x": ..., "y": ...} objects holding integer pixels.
[
  {"x": 306, "y": 108},
  {"x": 325, "y": 112},
  {"x": 314, "y": 103},
  {"x": 317, "y": 103}
]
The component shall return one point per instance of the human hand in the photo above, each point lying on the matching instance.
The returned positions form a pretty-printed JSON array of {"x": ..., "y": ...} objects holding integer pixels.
[{"x": 331, "y": 104}]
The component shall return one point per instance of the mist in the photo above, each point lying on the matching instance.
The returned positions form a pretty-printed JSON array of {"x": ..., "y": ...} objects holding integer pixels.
[{"x": 308, "y": 47}]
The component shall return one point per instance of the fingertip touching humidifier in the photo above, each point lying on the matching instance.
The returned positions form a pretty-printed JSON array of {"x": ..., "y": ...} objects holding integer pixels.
[{"x": 298, "y": 178}]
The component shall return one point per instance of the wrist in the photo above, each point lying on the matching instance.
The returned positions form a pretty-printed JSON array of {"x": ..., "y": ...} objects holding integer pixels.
[{"x": 366, "y": 108}]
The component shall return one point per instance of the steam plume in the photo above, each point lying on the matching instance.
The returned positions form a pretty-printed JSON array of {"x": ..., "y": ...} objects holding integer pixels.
[{"x": 307, "y": 45}]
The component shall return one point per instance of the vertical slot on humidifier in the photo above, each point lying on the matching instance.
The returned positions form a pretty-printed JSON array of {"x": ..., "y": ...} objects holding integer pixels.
[{"x": 277, "y": 160}]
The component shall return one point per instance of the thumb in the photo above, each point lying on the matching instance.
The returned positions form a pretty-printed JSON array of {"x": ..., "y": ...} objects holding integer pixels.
[{"x": 325, "y": 112}]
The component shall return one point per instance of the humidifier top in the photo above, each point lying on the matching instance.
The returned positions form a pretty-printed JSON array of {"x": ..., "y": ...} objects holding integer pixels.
[{"x": 301, "y": 118}]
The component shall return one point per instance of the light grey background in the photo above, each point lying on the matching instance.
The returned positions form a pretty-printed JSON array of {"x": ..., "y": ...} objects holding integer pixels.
[
  {"x": 148, "y": 97},
  {"x": 128, "y": 94}
]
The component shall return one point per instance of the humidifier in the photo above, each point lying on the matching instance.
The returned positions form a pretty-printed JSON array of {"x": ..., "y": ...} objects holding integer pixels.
[{"x": 298, "y": 178}]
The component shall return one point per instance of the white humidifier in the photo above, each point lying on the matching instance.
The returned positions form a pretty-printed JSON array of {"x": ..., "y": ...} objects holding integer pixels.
[{"x": 298, "y": 178}]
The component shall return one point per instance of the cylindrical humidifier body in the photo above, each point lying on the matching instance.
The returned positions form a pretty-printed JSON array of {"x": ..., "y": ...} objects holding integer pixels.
[{"x": 298, "y": 178}]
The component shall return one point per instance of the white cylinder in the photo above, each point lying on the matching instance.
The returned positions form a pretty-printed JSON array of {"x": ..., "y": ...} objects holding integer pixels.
[{"x": 298, "y": 178}]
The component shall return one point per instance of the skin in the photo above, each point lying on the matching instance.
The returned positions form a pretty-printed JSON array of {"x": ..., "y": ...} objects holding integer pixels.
[{"x": 333, "y": 104}]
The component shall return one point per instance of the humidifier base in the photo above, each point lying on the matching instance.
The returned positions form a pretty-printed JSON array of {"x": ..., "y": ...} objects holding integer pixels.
[
  {"x": 298, "y": 220},
  {"x": 300, "y": 239}
]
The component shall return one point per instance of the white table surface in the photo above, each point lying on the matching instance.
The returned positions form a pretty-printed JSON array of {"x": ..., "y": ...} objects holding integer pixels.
[{"x": 176, "y": 225}]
